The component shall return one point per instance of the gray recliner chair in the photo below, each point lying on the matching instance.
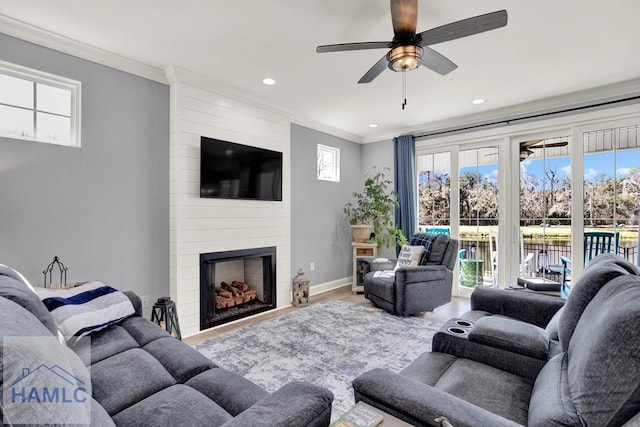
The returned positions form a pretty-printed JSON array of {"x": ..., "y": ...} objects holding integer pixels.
[
  {"x": 518, "y": 331},
  {"x": 415, "y": 289},
  {"x": 594, "y": 379}
]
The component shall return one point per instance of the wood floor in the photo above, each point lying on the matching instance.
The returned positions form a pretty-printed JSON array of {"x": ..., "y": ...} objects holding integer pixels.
[{"x": 456, "y": 307}]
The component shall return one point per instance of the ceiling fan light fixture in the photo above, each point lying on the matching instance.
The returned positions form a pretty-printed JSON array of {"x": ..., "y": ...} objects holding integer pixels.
[{"x": 405, "y": 58}]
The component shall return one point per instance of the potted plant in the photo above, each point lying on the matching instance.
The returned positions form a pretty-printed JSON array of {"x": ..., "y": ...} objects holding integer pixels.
[{"x": 372, "y": 211}]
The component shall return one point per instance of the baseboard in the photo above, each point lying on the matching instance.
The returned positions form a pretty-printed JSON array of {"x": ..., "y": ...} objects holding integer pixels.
[{"x": 331, "y": 286}]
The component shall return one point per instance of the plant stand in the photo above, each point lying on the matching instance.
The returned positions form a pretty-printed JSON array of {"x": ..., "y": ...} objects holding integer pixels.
[{"x": 361, "y": 252}]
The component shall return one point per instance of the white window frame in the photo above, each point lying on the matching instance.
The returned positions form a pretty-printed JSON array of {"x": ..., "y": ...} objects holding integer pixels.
[
  {"x": 334, "y": 173},
  {"x": 36, "y": 76},
  {"x": 575, "y": 125}
]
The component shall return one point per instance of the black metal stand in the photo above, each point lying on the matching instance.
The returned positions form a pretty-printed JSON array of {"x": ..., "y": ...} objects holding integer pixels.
[
  {"x": 49, "y": 271},
  {"x": 164, "y": 311}
]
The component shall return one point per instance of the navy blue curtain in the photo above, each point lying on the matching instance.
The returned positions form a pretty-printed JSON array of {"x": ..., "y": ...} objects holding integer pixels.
[{"x": 404, "y": 162}]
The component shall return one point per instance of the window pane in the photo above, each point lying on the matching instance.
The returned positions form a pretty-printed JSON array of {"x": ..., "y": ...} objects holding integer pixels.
[
  {"x": 54, "y": 100},
  {"x": 479, "y": 192},
  {"x": 545, "y": 207},
  {"x": 16, "y": 121},
  {"x": 434, "y": 188},
  {"x": 53, "y": 128},
  {"x": 328, "y": 166},
  {"x": 15, "y": 91}
]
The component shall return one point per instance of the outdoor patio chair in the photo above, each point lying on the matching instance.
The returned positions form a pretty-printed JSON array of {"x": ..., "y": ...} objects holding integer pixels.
[
  {"x": 595, "y": 243},
  {"x": 437, "y": 230}
]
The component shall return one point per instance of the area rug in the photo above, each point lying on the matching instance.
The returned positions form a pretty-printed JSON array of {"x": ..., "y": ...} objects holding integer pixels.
[{"x": 328, "y": 344}]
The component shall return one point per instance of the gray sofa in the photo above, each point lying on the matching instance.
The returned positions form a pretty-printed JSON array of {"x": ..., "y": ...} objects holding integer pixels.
[
  {"x": 417, "y": 289},
  {"x": 134, "y": 373},
  {"x": 591, "y": 376}
]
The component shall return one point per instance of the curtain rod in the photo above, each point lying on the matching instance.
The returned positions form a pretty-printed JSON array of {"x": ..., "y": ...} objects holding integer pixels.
[{"x": 528, "y": 117}]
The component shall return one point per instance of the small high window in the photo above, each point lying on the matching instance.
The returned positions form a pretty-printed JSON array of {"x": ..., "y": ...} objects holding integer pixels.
[
  {"x": 328, "y": 163},
  {"x": 39, "y": 106}
]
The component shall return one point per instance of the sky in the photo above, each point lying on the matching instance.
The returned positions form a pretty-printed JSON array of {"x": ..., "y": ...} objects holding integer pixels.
[{"x": 593, "y": 165}]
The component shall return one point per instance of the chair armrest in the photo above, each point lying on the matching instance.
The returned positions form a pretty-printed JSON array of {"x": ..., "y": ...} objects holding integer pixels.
[
  {"x": 296, "y": 404},
  {"x": 136, "y": 301},
  {"x": 422, "y": 273},
  {"x": 382, "y": 266},
  {"x": 525, "y": 306},
  {"x": 419, "y": 403}
]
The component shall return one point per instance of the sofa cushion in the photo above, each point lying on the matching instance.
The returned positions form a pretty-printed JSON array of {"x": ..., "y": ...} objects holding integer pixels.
[
  {"x": 598, "y": 273},
  {"x": 85, "y": 309},
  {"x": 603, "y": 355},
  {"x": 231, "y": 391},
  {"x": 116, "y": 387},
  {"x": 409, "y": 256},
  {"x": 22, "y": 295},
  {"x": 551, "y": 400},
  {"x": 511, "y": 335},
  {"x": 177, "y": 405},
  {"x": 426, "y": 240},
  {"x": 438, "y": 250},
  {"x": 180, "y": 360},
  {"x": 142, "y": 330},
  {"x": 495, "y": 390},
  {"x": 103, "y": 344}
]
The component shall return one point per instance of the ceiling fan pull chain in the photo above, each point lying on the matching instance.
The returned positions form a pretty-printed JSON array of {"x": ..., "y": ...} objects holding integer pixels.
[{"x": 404, "y": 89}]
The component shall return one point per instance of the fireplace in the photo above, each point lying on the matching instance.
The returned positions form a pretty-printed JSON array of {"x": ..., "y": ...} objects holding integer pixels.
[{"x": 236, "y": 284}]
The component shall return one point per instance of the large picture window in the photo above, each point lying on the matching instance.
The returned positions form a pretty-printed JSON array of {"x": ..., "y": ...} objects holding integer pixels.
[{"x": 39, "y": 106}]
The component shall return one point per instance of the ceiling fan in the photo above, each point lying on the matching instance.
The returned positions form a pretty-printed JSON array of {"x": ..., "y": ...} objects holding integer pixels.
[
  {"x": 409, "y": 50},
  {"x": 526, "y": 147}
]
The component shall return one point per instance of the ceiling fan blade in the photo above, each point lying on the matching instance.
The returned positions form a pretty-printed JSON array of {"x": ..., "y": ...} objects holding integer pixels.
[
  {"x": 437, "y": 62},
  {"x": 551, "y": 145},
  {"x": 375, "y": 71},
  {"x": 526, "y": 144},
  {"x": 352, "y": 46},
  {"x": 404, "y": 17},
  {"x": 466, "y": 27}
]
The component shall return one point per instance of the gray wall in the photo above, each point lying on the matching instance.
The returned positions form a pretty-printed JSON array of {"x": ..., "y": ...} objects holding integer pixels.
[
  {"x": 103, "y": 208},
  {"x": 380, "y": 155},
  {"x": 319, "y": 232}
]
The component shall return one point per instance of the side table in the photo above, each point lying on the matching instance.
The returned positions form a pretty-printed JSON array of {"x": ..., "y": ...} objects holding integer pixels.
[
  {"x": 164, "y": 314},
  {"x": 361, "y": 251}
]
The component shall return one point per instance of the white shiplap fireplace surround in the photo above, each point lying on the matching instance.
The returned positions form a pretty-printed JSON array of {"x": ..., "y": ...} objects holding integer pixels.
[{"x": 200, "y": 108}]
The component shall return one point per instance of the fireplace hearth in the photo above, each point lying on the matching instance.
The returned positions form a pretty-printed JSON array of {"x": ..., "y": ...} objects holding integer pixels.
[{"x": 236, "y": 284}]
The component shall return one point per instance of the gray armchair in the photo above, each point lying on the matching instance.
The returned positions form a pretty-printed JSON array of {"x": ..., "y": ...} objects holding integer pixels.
[
  {"x": 593, "y": 379},
  {"x": 519, "y": 332},
  {"x": 415, "y": 289}
]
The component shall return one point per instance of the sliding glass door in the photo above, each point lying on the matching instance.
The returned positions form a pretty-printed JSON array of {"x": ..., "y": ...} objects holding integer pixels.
[{"x": 545, "y": 206}]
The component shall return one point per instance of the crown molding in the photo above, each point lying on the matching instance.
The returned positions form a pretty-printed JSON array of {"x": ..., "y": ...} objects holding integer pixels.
[
  {"x": 21, "y": 30},
  {"x": 574, "y": 100},
  {"x": 320, "y": 127}
]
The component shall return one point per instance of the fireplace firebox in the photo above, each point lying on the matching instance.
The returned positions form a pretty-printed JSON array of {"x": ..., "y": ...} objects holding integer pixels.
[{"x": 236, "y": 284}]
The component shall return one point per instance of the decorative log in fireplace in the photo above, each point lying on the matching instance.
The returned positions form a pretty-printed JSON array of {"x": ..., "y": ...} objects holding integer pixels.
[
  {"x": 236, "y": 284},
  {"x": 232, "y": 294}
]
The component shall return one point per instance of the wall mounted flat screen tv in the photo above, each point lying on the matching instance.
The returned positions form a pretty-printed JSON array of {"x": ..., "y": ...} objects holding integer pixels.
[{"x": 235, "y": 171}]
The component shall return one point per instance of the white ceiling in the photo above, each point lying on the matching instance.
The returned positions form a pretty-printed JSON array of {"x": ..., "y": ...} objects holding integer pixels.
[{"x": 548, "y": 48}]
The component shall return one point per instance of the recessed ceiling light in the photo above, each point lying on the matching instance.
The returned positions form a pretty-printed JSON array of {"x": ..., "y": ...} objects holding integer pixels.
[
  {"x": 477, "y": 101},
  {"x": 373, "y": 125},
  {"x": 269, "y": 81}
]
